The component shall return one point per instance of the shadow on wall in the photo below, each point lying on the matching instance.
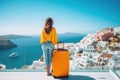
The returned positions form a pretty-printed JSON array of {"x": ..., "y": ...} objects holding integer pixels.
[
  {"x": 76, "y": 77},
  {"x": 80, "y": 77}
]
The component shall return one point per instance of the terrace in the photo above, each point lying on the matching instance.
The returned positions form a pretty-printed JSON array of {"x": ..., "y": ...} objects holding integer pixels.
[
  {"x": 36, "y": 70},
  {"x": 73, "y": 74}
]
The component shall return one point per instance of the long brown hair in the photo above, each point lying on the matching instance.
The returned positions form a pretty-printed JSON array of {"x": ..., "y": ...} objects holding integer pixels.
[{"x": 50, "y": 22}]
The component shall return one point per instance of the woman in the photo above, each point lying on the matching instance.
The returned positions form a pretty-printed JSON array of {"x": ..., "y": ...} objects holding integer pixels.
[{"x": 48, "y": 40}]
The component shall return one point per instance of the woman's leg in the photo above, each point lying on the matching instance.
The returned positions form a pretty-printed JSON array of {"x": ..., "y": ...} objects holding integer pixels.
[
  {"x": 46, "y": 60},
  {"x": 49, "y": 62},
  {"x": 48, "y": 70},
  {"x": 47, "y": 52},
  {"x": 50, "y": 55}
]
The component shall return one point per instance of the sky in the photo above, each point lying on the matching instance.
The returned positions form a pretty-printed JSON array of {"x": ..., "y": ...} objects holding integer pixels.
[{"x": 26, "y": 17}]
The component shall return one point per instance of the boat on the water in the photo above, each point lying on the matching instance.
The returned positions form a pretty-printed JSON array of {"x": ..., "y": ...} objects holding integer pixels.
[{"x": 13, "y": 55}]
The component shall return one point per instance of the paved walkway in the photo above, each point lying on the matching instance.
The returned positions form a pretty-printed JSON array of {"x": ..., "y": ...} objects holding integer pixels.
[{"x": 72, "y": 76}]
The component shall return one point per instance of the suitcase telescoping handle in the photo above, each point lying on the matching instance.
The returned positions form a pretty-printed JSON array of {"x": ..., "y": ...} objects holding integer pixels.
[{"x": 62, "y": 45}]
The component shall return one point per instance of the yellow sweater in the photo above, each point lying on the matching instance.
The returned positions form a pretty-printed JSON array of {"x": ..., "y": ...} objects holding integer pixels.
[{"x": 49, "y": 37}]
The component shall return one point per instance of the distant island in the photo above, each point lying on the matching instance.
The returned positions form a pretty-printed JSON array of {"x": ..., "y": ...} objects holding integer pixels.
[
  {"x": 6, "y": 43},
  {"x": 12, "y": 36}
]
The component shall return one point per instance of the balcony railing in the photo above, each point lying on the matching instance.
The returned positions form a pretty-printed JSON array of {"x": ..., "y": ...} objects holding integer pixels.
[{"x": 29, "y": 58}]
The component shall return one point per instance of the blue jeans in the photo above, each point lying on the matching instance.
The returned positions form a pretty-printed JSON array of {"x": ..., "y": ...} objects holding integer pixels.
[{"x": 47, "y": 48}]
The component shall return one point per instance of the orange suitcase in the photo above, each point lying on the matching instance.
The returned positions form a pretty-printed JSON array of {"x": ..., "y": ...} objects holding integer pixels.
[{"x": 60, "y": 62}]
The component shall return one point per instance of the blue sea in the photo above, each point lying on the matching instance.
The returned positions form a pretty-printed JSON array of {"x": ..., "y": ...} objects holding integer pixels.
[{"x": 29, "y": 49}]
